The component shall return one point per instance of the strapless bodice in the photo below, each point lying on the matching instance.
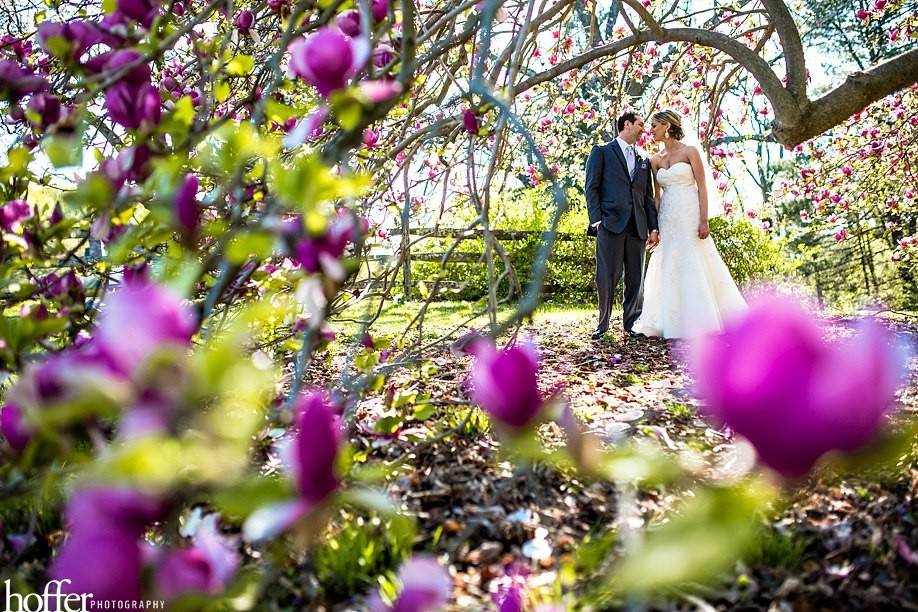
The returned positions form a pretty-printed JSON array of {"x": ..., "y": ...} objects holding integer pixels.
[{"x": 678, "y": 175}]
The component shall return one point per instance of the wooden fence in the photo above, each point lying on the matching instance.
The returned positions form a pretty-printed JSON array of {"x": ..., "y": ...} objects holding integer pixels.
[{"x": 414, "y": 235}]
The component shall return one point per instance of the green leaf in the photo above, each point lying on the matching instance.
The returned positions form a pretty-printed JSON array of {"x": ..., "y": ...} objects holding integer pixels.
[
  {"x": 241, "y": 499},
  {"x": 222, "y": 91},
  {"x": 423, "y": 412},
  {"x": 240, "y": 65},
  {"x": 17, "y": 161},
  {"x": 63, "y": 150},
  {"x": 278, "y": 112},
  {"x": 700, "y": 542},
  {"x": 347, "y": 109},
  {"x": 388, "y": 425},
  {"x": 253, "y": 244}
]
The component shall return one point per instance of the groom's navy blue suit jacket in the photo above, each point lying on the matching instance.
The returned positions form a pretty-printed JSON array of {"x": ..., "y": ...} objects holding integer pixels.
[{"x": 612, "y": 196}]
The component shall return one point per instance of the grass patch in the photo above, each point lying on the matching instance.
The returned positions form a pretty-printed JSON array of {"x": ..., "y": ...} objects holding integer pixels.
[{"x": 776, "y": 549}]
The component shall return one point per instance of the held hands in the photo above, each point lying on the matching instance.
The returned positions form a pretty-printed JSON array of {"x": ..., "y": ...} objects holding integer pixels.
[
  {"x": 653, "y": 240},
  {"x": 703, "y": 230}
]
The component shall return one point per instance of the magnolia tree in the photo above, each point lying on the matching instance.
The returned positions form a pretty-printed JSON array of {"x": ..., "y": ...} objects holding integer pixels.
[{"x": 192, "y": 195}]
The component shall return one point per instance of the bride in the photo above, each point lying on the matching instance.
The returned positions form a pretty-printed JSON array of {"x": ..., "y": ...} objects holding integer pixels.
[{"x": 688, "y": 290}]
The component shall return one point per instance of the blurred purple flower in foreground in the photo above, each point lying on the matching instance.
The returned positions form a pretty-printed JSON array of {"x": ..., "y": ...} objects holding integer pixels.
[
  {"x": 328, "y": 59},
  {"x": 13, "y": 428},
  {"x": 426, "y": 586},
  {"x": 106, "y": 525},
  {"x": 312, "y": 458},
  {"x": 205, "y": 567},
  {"x": 772, "y": 378},
  {"x": 68, "y": 40},
  {"x": 13, "y": 213},
  {"x": 505, "y": 383},
  {"x": 138, "y": 320},
  {"x": 17, "y": 82}
]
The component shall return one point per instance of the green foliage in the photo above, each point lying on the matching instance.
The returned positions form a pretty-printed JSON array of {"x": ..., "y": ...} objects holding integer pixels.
[
  {"x": 357, "y": 550},
  {"x": 776, "y": 549},
  {"x": 751, "y": 254}
]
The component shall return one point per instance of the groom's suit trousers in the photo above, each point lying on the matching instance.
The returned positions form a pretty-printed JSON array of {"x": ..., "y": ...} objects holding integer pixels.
[{"x": 617, "y": 255}]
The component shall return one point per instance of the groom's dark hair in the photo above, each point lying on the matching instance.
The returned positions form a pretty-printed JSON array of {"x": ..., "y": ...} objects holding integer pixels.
[{"x": 629, "y": 116}]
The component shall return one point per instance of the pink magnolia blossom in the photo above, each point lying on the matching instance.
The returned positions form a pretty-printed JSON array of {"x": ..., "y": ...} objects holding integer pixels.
[
  {"x": 772, "y": 378},
  {"x": 370, "y": 138},
  {"x": 205, "y": 567},
  {"x": 505, "y": 383},
  {"x": 139, "y": 319},
  {"x": 328, "y": 59},
  {"x": 425, "y": 587},
  {"x": 244, "y": 21}
]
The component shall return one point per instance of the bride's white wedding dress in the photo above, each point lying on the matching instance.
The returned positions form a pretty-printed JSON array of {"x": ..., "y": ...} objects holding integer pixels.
[{"x": 688, "y": 289}]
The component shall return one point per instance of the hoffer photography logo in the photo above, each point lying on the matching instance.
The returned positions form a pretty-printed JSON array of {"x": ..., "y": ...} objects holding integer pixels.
[{"x": 53, "y": 599}]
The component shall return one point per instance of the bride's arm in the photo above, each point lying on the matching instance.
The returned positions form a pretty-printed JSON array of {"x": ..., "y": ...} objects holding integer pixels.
[
  {"x": 697, "y": 163},
  {"x": 657, "y": 192}
]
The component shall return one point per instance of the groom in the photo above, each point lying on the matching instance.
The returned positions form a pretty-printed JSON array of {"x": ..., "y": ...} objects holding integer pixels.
[{"x": 623, "y": 218}]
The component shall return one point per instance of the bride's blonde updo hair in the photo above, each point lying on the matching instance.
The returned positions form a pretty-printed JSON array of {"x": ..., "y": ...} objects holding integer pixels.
[{"x": 673, "y": 119}]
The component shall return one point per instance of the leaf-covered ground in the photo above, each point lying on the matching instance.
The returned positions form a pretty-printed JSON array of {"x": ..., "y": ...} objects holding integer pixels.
[{"x": 841, "y": 543}]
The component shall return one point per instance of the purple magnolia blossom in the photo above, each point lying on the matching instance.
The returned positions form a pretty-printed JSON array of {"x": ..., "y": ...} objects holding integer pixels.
[
  {"x": 324, "y": 253},
  {"x": 187, "y": 210},
  {"x": 279, "y": 6},
  {"x": 13, "y": 213},
  {"x": 68, "y": 285},
  {"x": 505, "y": 383},
  {"x": 13, "y": 427},
  {"x": 105, "y": 525},
  {"x": 470, "y": 122},
  {"x": 133, "y": 107},
  {"x": 69, "y": 40},
  {"x": 315, "y": 451},
  {"x": 370, "y": 138},
  {"x": 772, "y": 378},
  {"x": 57, "y": 215},
  {"x": 312, "y": 457},
  {"x": 244, "y": 21},
  {"x": 379, "y": 9},
  {"x": 140, "y": 319},
  {"x": 205, "y": 567},
  {"x": 349, "y": 23},
  {"x": 65, "y": 376},
  {"x": 107, "y": 550},
  {"x": 113, "y": 509},
  {"x": 383, "y": 54},
  {"x": 511, "y": 589},
  {"x": 328, "y": 59},
  {"x": 132, "y": 164},
  {"x": 426, "y": 586},
  {"x": 380, "y": 90},
  {"x": 141, "y": 11},
  {"x": 17, "y": 82},
  {"x": 111, "y": 62},
  {"x": 21, "y": 48},
  {"x": 47, "y": 107}
]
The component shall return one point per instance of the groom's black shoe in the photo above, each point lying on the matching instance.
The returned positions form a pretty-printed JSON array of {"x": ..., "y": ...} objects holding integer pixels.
[
  {"x": 598, "y": 334},
  {"x": 633, "y": 334}
]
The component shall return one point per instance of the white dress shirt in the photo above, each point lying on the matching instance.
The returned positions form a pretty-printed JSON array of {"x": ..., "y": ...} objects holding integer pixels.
[{"x": 630, "y": 155}]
